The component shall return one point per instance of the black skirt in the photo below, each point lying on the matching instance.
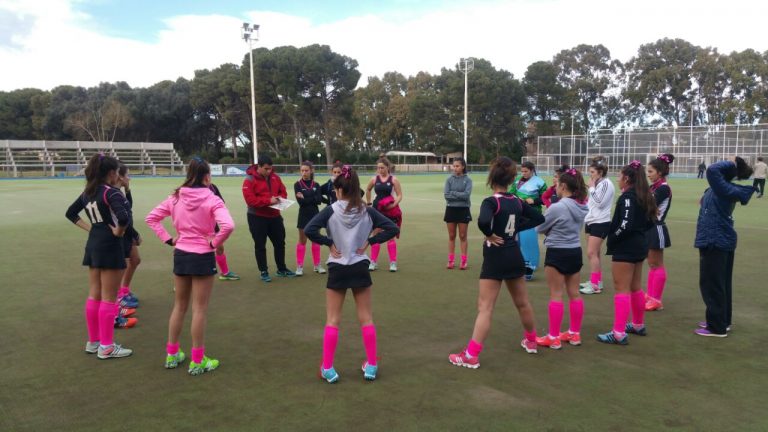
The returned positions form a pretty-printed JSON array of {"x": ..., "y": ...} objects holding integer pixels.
[
  {"x": 342, "y": 277},
  {"x": 598, "y": 229},
  {"x": 457, "y": 215},
  {"x": 658, "y": 237},
  {"x": 193, "y": 264},
  {"x": 305, "y": 215},
  {"x": 502, "y": 263},
  {"x": 566, "y": 261},
  {"x": 633, "y": 248},
  {"x": 103, "y": 249}
]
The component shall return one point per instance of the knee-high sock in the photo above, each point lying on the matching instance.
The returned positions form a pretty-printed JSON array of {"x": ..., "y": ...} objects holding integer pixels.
[
  {"x": 369, "y": 342},
  {"x": 107, "y": 322},
  {"x": 301, "y": 250},
  {"x": 221, "y": 260},
  {"x": 473, "y": 348},
  {"x": 660, "y": 282},
  {"x": 596, "y": 277},
  {"x": 392, "y": 249},
  {"x": 375, "y": 248},
  {"x": 315, "y": 254},
  {"x": 638, "y": 308},
  {"x": 330, "y": 339},
  {"x": 555, "y": 318},
  {"x": 621, "y": 307},
  {"x": 198, "y": 354},
  {"x": 92, "y": 319},
  {"x": 123, "y": 291},
  {"x": 576, "y": 309},
  {"x": 651, "y": 286}
]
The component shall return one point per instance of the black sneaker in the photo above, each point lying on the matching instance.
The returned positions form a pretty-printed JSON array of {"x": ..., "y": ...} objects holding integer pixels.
[
  {"x": 265, "y": 276},
  {"x": 285, "y": 273}
]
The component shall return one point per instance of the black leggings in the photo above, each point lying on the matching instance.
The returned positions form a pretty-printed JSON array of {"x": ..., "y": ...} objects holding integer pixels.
[
  {"x": 261, "y": 228},
  {"x": 716, "y": 285}
]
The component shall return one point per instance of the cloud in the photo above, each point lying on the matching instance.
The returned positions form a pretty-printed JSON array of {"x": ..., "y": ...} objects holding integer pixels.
[{"x": 49, "y": 43}]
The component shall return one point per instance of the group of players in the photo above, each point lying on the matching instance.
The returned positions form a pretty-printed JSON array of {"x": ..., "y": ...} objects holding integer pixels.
[{"x": 510, "y": 219}]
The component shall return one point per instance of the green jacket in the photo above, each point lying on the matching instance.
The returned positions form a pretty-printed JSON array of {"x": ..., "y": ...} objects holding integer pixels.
[{"x": 533, "y": 188}]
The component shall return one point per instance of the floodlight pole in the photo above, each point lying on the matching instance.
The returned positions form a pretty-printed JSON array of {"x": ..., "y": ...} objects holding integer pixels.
[
  {"x": 466, "y": 65},
  {"x": 248, "y": 31}
]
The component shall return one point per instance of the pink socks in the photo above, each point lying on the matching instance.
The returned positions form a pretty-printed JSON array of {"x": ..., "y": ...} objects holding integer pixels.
[
  {"x": 92, "y": 319},
  {"x": 473, "y": 348},
  {"x": 375, "y": 248},
  {"x": 576, "y": 309},
  {"x": 392, "y": 249},
  {"x": 107, "y": 322},
  {"x": 197, "y": 354},
  {"x": 452, "y": 258},
  {"x": 221, "y": 260},
  {"x": 638, "y": 308},
  {"x": 555, "y": 318},
  {"x": 172, "y": 349},
  {"x": 315, "y": 254},
  {"x": 463, "y": 260},
  {"x": 621, "y": 306},
  {"x": 330, "y": 339},
  {"x": 657, "y": 279},
  {"x": 596, "y": 277},
  {"x": 530, "y": 336},
  {"x": 123, "y": 291},
  {"x": 301, "y": 250},
  {"x": 369, "y": 342}
]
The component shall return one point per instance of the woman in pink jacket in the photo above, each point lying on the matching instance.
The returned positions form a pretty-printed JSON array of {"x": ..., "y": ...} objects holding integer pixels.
[{"x": 195, "y": 211}]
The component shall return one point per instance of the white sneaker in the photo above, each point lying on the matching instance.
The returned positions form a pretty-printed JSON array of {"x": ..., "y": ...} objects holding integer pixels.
[
  {"x": 372, "y": 266},
  {"x": 393, "y": 266},
  {"x": 92, "y": 347},
  {"x": 320, "y": 270},
  {"x": 589, "y": 288},
  {"x": 300, "y": 271},
  {"x": 113, "y": 351}
]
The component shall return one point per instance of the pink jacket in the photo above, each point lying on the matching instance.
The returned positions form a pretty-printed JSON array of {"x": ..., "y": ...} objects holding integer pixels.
[{"x": 195, "y": 214}]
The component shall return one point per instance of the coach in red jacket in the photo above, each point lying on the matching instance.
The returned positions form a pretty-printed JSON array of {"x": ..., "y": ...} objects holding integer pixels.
[{"x": 261, "y": 189}]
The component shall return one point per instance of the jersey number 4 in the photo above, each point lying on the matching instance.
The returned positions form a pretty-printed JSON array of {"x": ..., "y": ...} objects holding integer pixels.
[
  {"x": 510, "y": 228},
  {"x": 93, "y": 212}
]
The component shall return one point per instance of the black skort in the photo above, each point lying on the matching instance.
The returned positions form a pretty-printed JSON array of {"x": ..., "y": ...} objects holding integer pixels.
[
  {"x": 658, "y": 237},
  {"x": 460, "y": 215},
  {"x": 104, "y": 250},
  {"x": 598, "y": 229},
  {"x": 566, "y": 261},
  {"x": 305, "y": 215},
  {"x": 342, "y": 277},
  {"x": 502, "y": 263},
  {"x": 193, "y": 264}
]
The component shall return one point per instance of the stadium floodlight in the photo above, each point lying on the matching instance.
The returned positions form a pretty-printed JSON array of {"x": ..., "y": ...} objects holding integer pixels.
[
  {"x": 250, "y": 33},
  {"x": 466, "y": 65}
]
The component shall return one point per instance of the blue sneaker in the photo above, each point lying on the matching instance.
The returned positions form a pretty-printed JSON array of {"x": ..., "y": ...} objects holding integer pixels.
[
  {"x": 638, "y": 331},
  {"x": 132, "y": 296},
  {"x": 129, "y": 302},
  {"x": 285, "y": 273},
  {"x": 265, "y": 276},
  {"x": 610, "y": 338},
  {"x": 369, "y": 371},
  {"x": 329, "y": 375}
]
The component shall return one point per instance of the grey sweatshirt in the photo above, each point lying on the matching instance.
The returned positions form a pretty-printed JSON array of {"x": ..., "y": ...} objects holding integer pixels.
[
  {"x": 562, "y": 224},
  {"x": 349, "y": 230},
  {"x": 457, "y": 191}
]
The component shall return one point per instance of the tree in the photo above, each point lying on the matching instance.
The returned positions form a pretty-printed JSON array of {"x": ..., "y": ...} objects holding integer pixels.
[{"x": 544, "y": 92}]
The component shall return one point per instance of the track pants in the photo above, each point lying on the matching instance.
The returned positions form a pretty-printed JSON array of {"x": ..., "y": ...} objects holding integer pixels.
[{"x": 261, "y": 228}]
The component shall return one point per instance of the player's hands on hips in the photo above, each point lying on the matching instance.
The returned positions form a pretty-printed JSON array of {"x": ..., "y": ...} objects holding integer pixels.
[
  {"x": 335, "y": 252},
  {"x": 362, "y": 248},
  {"x": 117, "y": 231},
  {"x": 494, "y": 240}
]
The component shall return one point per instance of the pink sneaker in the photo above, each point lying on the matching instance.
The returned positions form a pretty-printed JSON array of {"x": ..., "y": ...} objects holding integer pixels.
[
  {"x": 463, "y": 359},
  {"x": 463, "y": 265},
  {"x": 450, "y": 265},
  {"x": 529, "y": 346},
  {"x": 549, "y": 341}
]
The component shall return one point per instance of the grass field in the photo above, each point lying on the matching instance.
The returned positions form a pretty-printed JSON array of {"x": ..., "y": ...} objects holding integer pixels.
[{"x": 268, "y": 337}]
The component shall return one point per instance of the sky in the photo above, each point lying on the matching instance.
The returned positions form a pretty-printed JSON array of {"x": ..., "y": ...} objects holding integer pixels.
[{"x": 46, "y": 43}]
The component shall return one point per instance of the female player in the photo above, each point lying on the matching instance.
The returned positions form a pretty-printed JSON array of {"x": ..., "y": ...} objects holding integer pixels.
[
  {"x": 388, "y": 190},
  {"x": 562, "y": 263},
  {"x": 529, "y": 187},
  {"x": 127, "y": 302},
  {"x": 502, "y": 217},
  {"x": 550, "y": 196},
  {"x": 195, "y": 212},
  {"x": 457, "y": 191},
  {"x": 635, "y": 213},
  {"x": 309, "y": 196},
  {"x": 658, "y": 235},
  {"x": 349, "y": 225},
  {"x": 221, "y": 256},
  {"x": 110, "y": 214},
  {"x": 326, "y": 190},
  {"x": 597, "y": 222}
]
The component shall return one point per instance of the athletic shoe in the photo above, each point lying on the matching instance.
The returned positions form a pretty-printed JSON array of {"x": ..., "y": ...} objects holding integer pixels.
[
  {"x": 229, "y": 276},
  {"x": 393, "y": 266},
  {"x": 113, "y": 351},
  {"x": 610, "y": 338},
  {"x": 572, "y": 338},
  {"x": 126, "y": 312},
  {"x": 265, "y": 276},
  {"x": 372, "y": 266},
  {"x": 369, "y": 371},
  {"x": 590, "y": 288},
  {"x": 463, "y": 359},
  {"x": 528, "y": 273},
  {"x": 299, "y": 271},
  {"x": 285, "y": 273},
  {"x": 529, "y": 346},
  {"x": 207, "y": 365},
  {"x": 92, "y": 347},
  {"x": 329, "y": 375},
  {"x": 450, "y": 265},
  {"x": 630, "y": 328},
  {"x": 549, "y": 341},
  {"x": 121, "y": 322},
  {"x": 128, "y": 302},
  {"x": 132, "y": 296},
  {"x": 705, "y": 332},
  {"x": 703, "y": 324},
  {"x": 320, "y": 270},
  {"x": 172, "y": 361},
  {"x": 463, "y": 266},
  {"x": 651, "y": 304}
]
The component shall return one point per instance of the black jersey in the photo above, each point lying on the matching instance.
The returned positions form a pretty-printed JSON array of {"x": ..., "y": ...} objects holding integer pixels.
[
  {"x": 628, "y": 227},
  {"x": 131, "y": 232},
  {"x": 663, "y": 194},
  {"x": 505, "y": 215},
  {"x": 107, "y": 207},
  {"x": 313, "y": 196},
  {"x": 382, "y": 188}
]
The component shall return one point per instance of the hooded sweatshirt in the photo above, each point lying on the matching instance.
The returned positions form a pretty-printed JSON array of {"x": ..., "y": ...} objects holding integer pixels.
[
  {"x": 259, "y": 190},
  {"x": 195, "y": 214},
  {"x": 349, "y": 230},
  {"x": 562, "y": 224}
]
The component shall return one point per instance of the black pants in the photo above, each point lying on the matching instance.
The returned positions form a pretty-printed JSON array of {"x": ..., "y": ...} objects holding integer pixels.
[
  {"x": 701, "y": 174},
  {"x": 759, "y": 185},
  {"x": 261, "y": 228},
  {"x": 715, "y": 282}
]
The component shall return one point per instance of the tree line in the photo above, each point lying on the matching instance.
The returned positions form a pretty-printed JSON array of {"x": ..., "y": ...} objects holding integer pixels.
[{"x": 308, "y": 102}]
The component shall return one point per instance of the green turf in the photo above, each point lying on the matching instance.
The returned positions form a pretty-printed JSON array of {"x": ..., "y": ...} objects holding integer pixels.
[{"x": 268, "y": 337}]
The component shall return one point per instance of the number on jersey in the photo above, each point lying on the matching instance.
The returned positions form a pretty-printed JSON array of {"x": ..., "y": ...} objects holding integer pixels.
[
  {"x": 92, "y": 208},
  {"x": 510, "y": 228}
]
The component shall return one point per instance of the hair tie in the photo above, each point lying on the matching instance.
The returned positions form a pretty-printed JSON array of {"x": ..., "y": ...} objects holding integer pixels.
[
  {"x": 665, "y": 158},
  {"x": 346, "y": 172},
  {"x": 635, "y": 164},
  {"x": 101, "y": 155},
  {"x": 572, "y": 171}
]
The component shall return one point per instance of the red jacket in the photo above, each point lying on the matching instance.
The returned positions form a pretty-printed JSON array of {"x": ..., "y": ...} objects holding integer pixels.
[{"x": 258, "y": 192}]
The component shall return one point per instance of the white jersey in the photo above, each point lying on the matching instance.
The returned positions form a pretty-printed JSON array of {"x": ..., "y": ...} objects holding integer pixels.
[{"x": 600, "y": 202}]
